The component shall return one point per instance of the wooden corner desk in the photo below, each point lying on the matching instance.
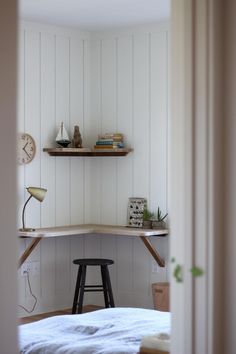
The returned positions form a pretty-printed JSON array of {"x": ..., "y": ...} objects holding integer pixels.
[{"x": 84, "y": 229}]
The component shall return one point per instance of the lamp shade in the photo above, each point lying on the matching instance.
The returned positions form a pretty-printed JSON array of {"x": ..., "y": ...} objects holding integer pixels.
[{"x": 37, "y": 193}]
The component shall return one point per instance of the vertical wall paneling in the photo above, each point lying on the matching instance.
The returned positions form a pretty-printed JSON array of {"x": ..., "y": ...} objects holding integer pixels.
[
  {"x": 158, "y": 132},
  {"x": 87, "y": 139},
  {"x": 48, "y": 171},
  {"x": 141, "y": 115},
  {"x": 103, "y": 82},
  {"x": 136, "y": 103},
  {"x": 77, "y": 195},
  {"x": 141, "y": 273},
  {"x": 62, "y": 114},
  {"x": 47, "y": 272},
  {"x": 95, "y": 128},
  {"x": 63, "y": 168},
  {"x": 32, "y": 126},
  {"x": 108, "y": 124},
  {"x": 162, "y": 275},
  {"x": 32, "y": 119},
  {"x": 109, "y": 250},
  {"x": 124, "y": 262},
  {"x": 92, "y": 249},
  {"x": 124, "y": 166},
  {"x": 141, "y": 126},
  {"x": 62, "y": 271},
  {"x": 124, "y": 124},
  {"x": 109, "y": 166},
  {"x": 158, "y": 116},
  {"x": 77, "y": 118},
  {"x": 51, "y": 90},
  {"x": 48, "y": 127},
  {"x": 77, "y": 251}
]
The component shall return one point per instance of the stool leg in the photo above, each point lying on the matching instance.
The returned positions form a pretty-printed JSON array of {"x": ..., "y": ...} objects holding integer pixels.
[
  {"x": 77, "y": 287},
  {"x": 104, "y": 284},
  {"x": 82, "y": 285},
  {"x": 108, "y": 281}
]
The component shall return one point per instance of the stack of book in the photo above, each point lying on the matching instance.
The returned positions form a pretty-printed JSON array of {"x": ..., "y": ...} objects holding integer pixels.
[{"x": 109, "y": 141}]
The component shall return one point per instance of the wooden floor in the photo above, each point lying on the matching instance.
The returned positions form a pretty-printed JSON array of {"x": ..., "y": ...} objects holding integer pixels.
[{"x": 29, "y": 319}]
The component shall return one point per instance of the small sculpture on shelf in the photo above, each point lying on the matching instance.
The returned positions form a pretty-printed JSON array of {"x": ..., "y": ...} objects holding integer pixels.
[
  {"x": 77, "y": 139},
  {"x": 62, "y": 137}
]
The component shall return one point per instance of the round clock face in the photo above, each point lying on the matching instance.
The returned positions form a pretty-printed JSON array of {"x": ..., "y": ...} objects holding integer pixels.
[{"x": 26, "y": 148}]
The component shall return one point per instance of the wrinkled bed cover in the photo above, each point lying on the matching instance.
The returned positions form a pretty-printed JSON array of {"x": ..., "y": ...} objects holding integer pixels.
[{"x": 106, "y": 331}]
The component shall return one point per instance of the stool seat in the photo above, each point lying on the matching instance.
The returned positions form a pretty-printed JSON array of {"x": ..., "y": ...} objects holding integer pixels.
[
  {"x": 93, "y": 261},
  {"x": 81, "y": 287}
]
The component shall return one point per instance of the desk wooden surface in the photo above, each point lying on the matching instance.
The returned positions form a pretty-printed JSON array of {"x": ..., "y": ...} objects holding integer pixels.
[
  {"x": 86, "y": 229},
  {"x": 92, "y": 229}
]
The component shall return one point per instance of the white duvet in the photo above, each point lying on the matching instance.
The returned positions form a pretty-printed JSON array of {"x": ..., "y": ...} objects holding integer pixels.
[{"x": 107, "y": 331}]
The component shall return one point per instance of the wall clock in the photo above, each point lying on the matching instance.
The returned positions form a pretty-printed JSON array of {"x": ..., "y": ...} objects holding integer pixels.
[{"x": 26, "y": 148}]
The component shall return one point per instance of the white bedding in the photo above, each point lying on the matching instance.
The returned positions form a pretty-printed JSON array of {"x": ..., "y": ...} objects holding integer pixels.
[{"x": 107, "y": 331}]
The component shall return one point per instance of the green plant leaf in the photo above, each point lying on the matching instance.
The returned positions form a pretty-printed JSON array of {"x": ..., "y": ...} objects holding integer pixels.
[
  {"x": 163, "y": 217},
  {"x": 196, "y": 271},
  {"x": 178, "y": 273},
  {"x": 147, "y": 214},
  {"x": 160, "y": 216}
]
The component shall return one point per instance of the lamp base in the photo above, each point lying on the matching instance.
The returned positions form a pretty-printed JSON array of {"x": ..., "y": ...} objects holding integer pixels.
[{"x": 27, "y": 229}]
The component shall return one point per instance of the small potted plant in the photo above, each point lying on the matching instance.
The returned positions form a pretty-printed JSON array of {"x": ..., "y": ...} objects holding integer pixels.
[
  {"x": 147, "y": 218},
  {"x": 159, "y": 222}
]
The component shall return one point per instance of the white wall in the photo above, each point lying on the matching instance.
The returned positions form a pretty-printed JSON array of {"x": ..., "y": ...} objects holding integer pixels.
[{"x": 123, "y": 87}]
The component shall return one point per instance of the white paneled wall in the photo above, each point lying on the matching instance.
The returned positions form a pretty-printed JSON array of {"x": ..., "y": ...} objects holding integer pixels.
[
  {"x": 53, "y": 87},
  {"x": 104, "y": 82}
]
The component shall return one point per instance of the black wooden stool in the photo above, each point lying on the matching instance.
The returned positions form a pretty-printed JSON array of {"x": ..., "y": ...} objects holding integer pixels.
[{"x": 80, "y": 287}]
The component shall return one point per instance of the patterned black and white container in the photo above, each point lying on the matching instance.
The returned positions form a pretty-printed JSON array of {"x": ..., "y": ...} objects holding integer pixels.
[{"x": 136, "y": 207}]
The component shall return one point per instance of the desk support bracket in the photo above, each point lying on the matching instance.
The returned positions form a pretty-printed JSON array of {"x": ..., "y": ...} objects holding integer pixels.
[
  {"x": 145, "y": 240},
  {"x": 28, "y": 250},
  {"x": 85, "y": 229},
  {"x": 153, "y": 251}
]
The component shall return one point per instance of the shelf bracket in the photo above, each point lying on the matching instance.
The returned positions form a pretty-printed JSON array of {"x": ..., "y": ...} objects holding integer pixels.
[
  {"x": 28, "y": 250},
  {"x": 153, "y": 251},
  {"x": 145, "y": 240}
]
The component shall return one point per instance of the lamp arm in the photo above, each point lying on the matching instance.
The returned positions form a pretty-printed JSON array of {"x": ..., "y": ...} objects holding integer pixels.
[{"x": 23, "y": 211}]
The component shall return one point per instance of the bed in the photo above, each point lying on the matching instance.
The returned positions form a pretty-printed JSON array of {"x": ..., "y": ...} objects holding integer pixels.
[{"x": 106, "y": 331}]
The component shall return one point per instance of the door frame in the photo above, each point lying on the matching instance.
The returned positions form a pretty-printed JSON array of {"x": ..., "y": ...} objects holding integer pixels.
[
  {"x": 8, "y": 192},
  {"x": 196, "y": 175}
]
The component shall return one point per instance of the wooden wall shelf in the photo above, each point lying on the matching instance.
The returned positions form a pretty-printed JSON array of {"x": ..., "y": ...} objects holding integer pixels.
[{"x": 86, "y": 152}]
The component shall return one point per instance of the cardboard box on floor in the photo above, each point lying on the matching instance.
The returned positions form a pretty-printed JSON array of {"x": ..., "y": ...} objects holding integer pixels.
[{"x": 160, "y": 293}]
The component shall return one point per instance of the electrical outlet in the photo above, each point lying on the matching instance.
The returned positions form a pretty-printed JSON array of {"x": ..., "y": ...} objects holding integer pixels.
[
  {"x": 25, "y": 268},
  {"x": 155, "y": 267},
  {"x": 31, "y": 267}
]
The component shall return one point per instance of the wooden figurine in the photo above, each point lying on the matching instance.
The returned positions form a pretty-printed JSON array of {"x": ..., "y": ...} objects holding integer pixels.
[{"x": 77, "y": 139}]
